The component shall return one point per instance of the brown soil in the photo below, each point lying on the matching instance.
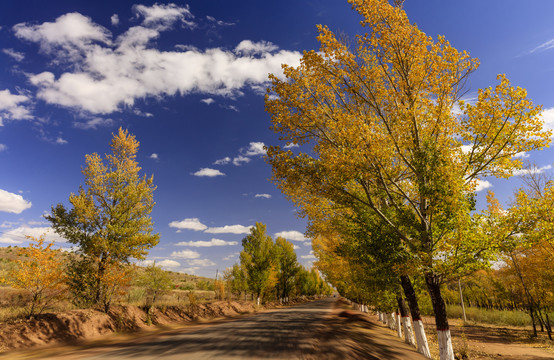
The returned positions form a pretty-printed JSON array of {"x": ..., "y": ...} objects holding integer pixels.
[
  {"x": 485, "y": 341},
  {"x": 77, "y": 325}
]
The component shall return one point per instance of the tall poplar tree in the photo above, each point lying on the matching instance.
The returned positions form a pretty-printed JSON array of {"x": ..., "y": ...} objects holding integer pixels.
[
  {"x": 385, "y": 120},
  {"x": 109, "y": 219}
]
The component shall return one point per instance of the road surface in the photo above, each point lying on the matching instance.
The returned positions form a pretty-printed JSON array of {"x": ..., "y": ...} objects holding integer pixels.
[{"x": 314, "y": 330}]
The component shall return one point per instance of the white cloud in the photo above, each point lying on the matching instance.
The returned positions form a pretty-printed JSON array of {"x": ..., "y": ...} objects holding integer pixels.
[
  {"x": 247, "y": 47},
  {"x": 307, "y": 243},
  {"x": 291, "y": 235},
  {"x": 255, "y": 148},
  {"x": 311, "y": 256},
  {"x": 265, "y": 196},
  {"x": 291, "y": 145},
  {"x": 106, "y": 76},
  {"x": 239, "y": 160},
  {"x": 544, "y": 46},
  {"x": 154, "y": 156},
  {"x": 223, "y": 161},
  {"x": 3, "y": 147},
  {"x": 114, "y": 19},
  {"x": 168, "y": 263},
  {"x": 208, "y": 172},
  {"x": 201, "y": 262},
  {"x": 67, "y": 37},
  {"x": 13, "y": 203},
  {"x": 212, "y": 242},
  {"x": 61, "y": 141},
  {"x": 295, "y": 247},
  {"x": 548, "y": 118},
  {"x": 191, "y": 270},
  {"x": 188, "y": 224},
  {"x": 94, "y": 123},
  {"x": 185, "y": 254},
  {"x": 532, "y": 170},
  {"x": 11, "y": 108},
  {"x": 522, "y": 155},
  {"x": 164, "y": 15},
  {"x": 231, "y": 256},
  {"x": 17, "y": 56},
  {"x": 482, "y": 185},
  {"x": 17, "y": 235},
  {"x": 208, "y": 101},
  {"x": 229, "y": 229}
]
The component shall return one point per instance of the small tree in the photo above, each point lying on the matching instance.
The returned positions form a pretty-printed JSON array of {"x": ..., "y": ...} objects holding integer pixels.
[
  {"x": 109, "y": 220},
  {"x": 41, "y": 274},
  {"x": 257, "y": 258}
]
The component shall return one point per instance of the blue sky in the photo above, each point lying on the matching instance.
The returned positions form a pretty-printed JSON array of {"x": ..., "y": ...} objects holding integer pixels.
[{"x": 188, "y": 78}]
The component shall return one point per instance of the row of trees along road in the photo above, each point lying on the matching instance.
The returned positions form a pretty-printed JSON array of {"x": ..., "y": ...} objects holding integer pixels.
[
  {"x": 395, "y": 155},
  {"x": 269, "y": 269}
]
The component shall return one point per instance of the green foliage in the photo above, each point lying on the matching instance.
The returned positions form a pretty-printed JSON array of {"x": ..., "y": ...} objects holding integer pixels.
[
  {"x": 108, "y": 220},
  {"x": 156, "y": 282},
  {"x": 258, "y": 258}
]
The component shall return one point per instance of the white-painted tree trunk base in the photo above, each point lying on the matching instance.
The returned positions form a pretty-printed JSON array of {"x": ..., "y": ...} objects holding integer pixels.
[
  {"x": 258, "y": 301},
  {"x": 398, "y": 325},
  {"x": 421, "y": 338},
  {"x": 446, "y": 352},
  {"x": 390, "y": 321},
  {"x": 408, "y": 331}
]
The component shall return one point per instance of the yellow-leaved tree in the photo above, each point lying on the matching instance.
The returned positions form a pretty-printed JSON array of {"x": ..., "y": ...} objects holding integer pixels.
[
  {"x": 388, "y": 132},
  {"x": 108, "y": 221},
  {"x": 40, "y": 273}
]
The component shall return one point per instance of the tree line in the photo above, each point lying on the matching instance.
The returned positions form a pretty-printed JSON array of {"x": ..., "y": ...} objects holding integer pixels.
[
  {"x": 391, "y": 157},
  {"x": 269, "y": 270}
]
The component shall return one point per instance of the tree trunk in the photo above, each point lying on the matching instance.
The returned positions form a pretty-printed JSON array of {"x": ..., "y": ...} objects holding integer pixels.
[
  {"x": 406, "y": 323},
  {"x": 398, "y": 324},
  {"x": 421, "y": 337},
  {"x": 462, "y": 300},
  {"x": 446, "y": 352}
]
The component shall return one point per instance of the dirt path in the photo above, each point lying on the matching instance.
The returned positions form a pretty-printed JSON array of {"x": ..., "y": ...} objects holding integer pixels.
[{"x": 315, "y": 330}]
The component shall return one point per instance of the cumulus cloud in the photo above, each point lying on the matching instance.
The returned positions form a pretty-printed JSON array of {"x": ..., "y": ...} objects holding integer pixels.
[
  {"x": 185, "y": 254},
  {"x": 114, "y": 19},
  {"x": 154, "y": 156},
  {"x": 231, "y": 256},
  {"x": 310, "y": 256},
  {"x": 208, "y": 101},
  {"x": 255, "y": 148},
  {"x": 532, "y": 170},
  {"x": 229, "y": 229},
  {"x": 248, "y": 48},
  {"x": 11, "y": 107},
  {"x": 106, "y": 75},
  {"x": 207, "y": 172},
  {"x": 167, "y": 263},
  {"x": 164, "y": 15},
  {"x": 61, "y": 141},
  {"x": 239, "y": 160},
  {"x": 482, "y": 185},
  {"x": 188, "y": 224},
  {"x": 291, "y": 145},
  {"x": 212, "y": 242},
  {"x": 548, "y": 118},
  {"x": 17, "y": 56},
  {"x": 17, "y": 235},
  {"x": 264, "y": 196},
  {"x": 201, "y": 262},
  {"x": 13, "y": 203},
  {"x": 223, "y": 161},
  {"x": 291, "y": 235}
]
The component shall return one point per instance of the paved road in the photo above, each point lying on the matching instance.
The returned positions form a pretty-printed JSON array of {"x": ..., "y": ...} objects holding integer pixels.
[
  {"x": 316, "y": 330},
  {"x": 280, "y": 334}
]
